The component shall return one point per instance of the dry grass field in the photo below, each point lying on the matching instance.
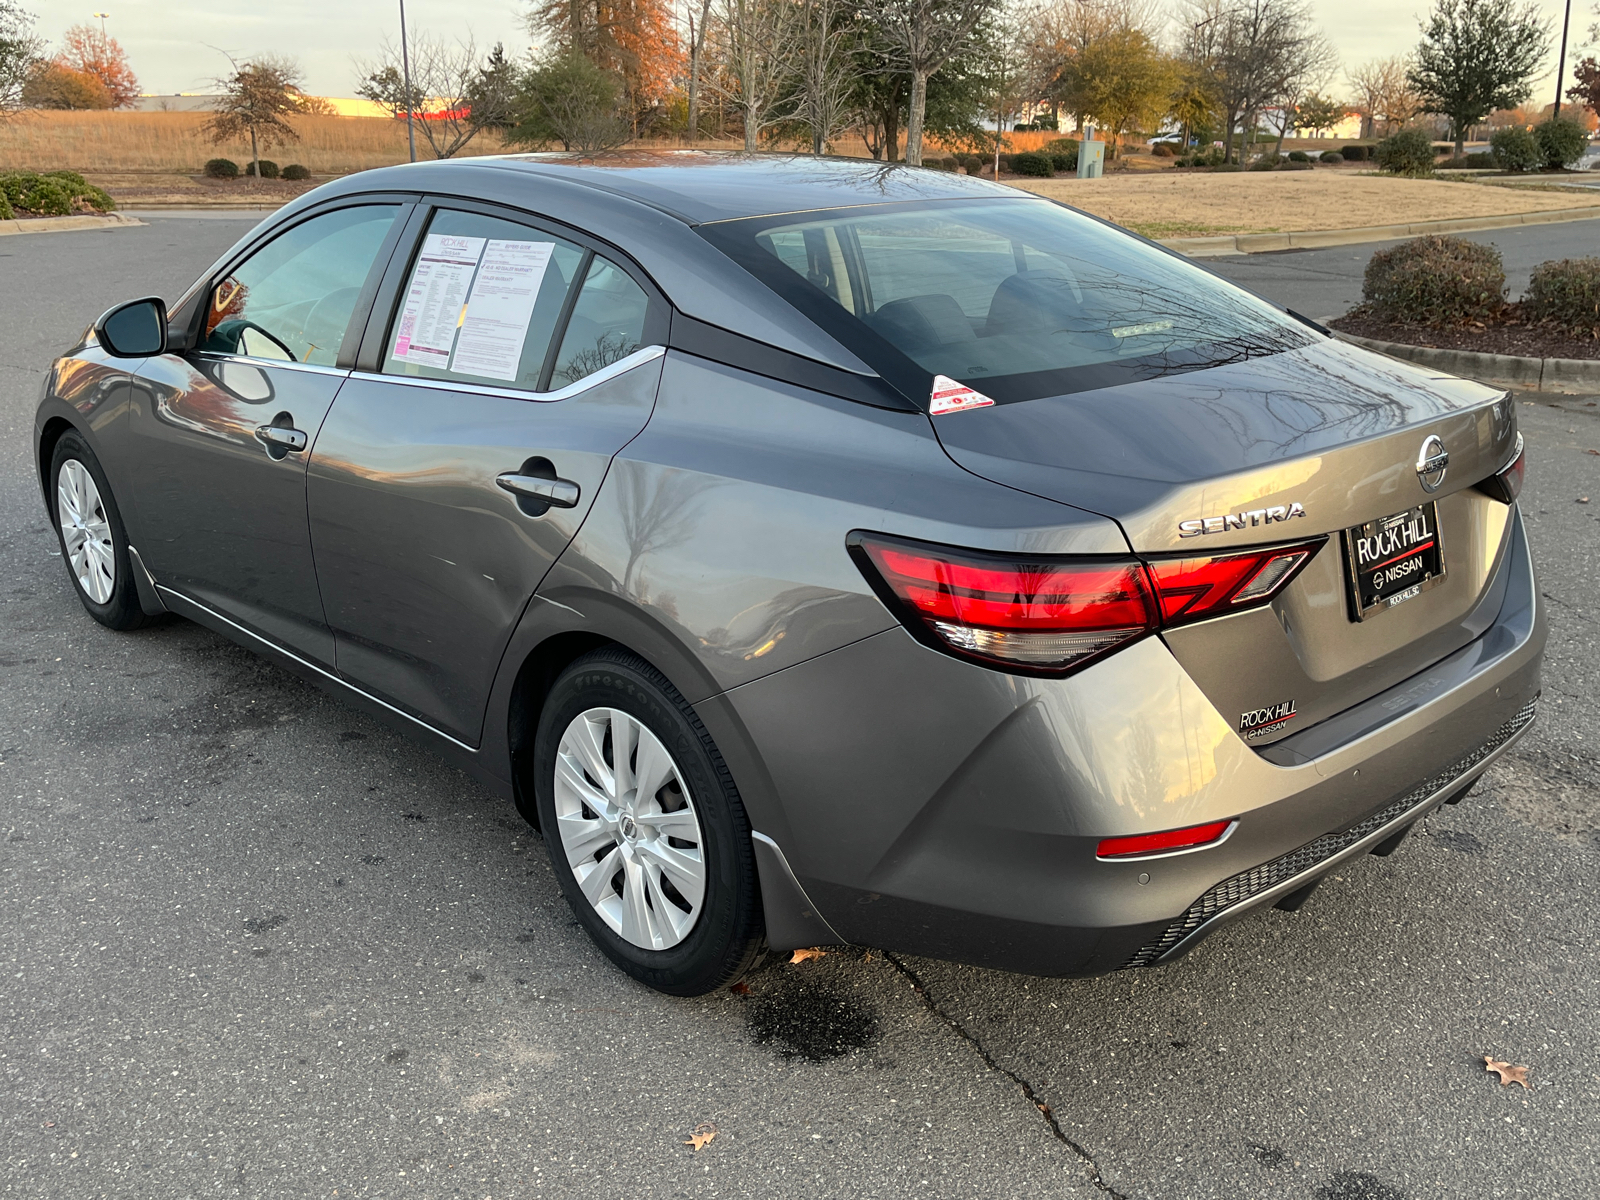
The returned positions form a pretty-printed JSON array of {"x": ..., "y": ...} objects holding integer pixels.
[{"x": 1181, "y": 204}]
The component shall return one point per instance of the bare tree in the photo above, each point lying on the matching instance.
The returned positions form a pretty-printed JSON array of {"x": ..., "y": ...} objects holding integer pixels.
[
  {"x": 697, "y": 46},
  {"x": 758, "y": 41},
  {"x": 19, "y": 51},
  {"x": 444, "y": 79},
  {"x": 1257, "y": 52},
  {"x": 920, "y": 37},
  {"x": 1384, "y": 94},
  {"x": 823, "y": 78}
]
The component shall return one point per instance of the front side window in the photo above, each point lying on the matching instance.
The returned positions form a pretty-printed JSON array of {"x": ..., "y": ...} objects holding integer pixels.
[
  {"x": 1016, "y": 298},
  {"x": 482, "y": 302},
  {"x": 293, "y": 299}
]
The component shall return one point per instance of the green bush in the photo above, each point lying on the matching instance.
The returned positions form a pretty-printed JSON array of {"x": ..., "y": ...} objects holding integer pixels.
[
  {"x": 1440, "y": 150},
  {"x": 1062, "y": 146},
  {"x": 222, "y": 168},
  {"x": 1037, "y": 166},
  {"x": 1292, "y": 165},
  {"x": 1222, "y": 166},
  {"x": 1299, "y": 156},
  {"x": 1353, "y": 153},
  {"x": 1515, "y": 149},
  {"x": 1408, "y": 152},
  {"x": 57, "y": 194},
  {"x": 296, "y": 172},
  {"x": 1435, "y": 280},
  {"x": 1480, "y": 160},
  {"x": 71, "y": 178},
  {"x": 6, "y": 211},
  {"x": 1566, "y": 293},
  {"x": 1561, "y": 142},
  {"x": 1267, "y": 162},
  {"x": 265, "y": 167},
  {"x": 1064, "y": 163},
  {"x": 1330, "y": 156}
]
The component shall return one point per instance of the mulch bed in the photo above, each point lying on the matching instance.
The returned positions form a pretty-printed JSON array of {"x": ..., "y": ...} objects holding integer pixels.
[{"x": 1509, "y": 337}]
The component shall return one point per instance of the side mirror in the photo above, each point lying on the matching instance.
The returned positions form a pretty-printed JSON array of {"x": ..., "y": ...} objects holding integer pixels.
[{"x": 137, "y": 329}]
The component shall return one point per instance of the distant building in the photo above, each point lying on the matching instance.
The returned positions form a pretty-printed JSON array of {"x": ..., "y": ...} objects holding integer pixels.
[{"x": 344, "y": 106}]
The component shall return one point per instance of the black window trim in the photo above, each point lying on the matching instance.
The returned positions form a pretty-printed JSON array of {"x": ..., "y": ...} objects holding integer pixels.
[{"x": 386, "y": 305}]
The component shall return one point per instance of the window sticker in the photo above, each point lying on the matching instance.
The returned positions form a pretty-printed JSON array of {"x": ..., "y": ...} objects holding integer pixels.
[
  {"x": 499, "y": 309},
  {"x": 436, "y": 298},
  {"x": 951, "y": 395}
]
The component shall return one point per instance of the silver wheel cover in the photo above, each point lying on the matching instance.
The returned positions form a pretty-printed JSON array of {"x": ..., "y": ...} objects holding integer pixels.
[
  {"x": 85, "y": 531},
  {"x": 629, "y": 829}
]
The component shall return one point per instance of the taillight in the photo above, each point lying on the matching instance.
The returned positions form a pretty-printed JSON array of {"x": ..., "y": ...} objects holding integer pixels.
[
  {"x": 1192, "y": 589},
  {"x": 1166, "y": 842},
  {"x": 1055, "y": 616},
  {"x": 1506, "y": 484},
  {"x": 1050, "y": 616}
]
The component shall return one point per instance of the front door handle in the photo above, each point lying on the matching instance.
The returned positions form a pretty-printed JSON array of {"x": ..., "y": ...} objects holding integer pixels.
[
  {"x": 277, "y": 437},
  {"x": 559, "y": 493}
]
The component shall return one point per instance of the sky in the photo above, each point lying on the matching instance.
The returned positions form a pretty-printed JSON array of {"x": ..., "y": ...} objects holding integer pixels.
[{"x": 170, "y": 43}]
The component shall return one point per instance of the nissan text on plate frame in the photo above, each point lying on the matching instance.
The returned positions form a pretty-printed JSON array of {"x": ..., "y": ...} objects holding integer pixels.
[{"x": 821, "y": 551}]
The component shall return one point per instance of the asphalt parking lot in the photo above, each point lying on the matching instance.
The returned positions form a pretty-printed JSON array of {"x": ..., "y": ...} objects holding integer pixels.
[{"x": 255, "y": 945}]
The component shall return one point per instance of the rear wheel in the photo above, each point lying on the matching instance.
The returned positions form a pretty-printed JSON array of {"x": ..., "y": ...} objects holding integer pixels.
[
  {"x": 94, "y": 544},
  {"x": 644, "y": 826}
]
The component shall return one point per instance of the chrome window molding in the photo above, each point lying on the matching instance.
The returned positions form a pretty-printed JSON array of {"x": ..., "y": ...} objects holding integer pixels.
[
  {"x": 622, "y": 366},
  {"x": 280, "y": 363}
]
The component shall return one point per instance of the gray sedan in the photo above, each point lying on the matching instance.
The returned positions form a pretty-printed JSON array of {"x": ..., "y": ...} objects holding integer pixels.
[{"x": 822, "y": 551}]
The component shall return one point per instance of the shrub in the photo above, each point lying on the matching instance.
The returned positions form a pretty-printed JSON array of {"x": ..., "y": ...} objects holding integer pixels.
[
  {"x": 6, "y": 212},
  {"x": 1062, "y": 146},
  {"x": 1408, "y": 152},
  {"x": 1514, "y": 149},
  {"x": 1480, "y": 160},
  {"x": 1292, "y": 165},
  {"x": 1037, "y": 166},
  {"x": 1566, "y": 293},
  {"x": 1330, "y": 156},
  {"x": 1222, "y": 166},
  {"x": 1299, "y": 156},
  {"x": 1353, "y": 153},
  {"x": 1163, "y": 150},
  {"x": 296, "y": 172},
  {"x": 222, "y": 168},
  {"x": 1267, "y": 162},
  {"x": 37, "y": 194},
  {"x": 1064, "y": 162},
  {"x": 1440, "y": 150},
  {"x": 1436, "y": 280},
  {"x": 1561, "y": 142},
  {"x": 265, "y": 167}
]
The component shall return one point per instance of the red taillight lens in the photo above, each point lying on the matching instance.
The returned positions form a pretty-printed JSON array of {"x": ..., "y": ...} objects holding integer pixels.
[
  {"x": 1052, "y": 617},
  {"x": 1162, "y": 843},
  {"x": 1047, "y": 616},
  {"x": 1191, "y": 589},
  {"x": 1506, "y": 485}
]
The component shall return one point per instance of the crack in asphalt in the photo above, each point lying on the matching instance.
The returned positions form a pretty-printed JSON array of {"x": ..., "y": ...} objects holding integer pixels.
[{"x": 1027, "y": 1088}]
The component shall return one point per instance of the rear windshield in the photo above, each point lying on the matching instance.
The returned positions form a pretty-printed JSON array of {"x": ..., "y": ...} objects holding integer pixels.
[{"x": 1015, "y": 298}]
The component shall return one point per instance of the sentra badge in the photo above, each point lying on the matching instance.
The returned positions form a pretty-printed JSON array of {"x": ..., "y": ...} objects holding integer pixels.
[
  {"x": 1262, "y": 721},
  {"x": 1241, "y": 520}
]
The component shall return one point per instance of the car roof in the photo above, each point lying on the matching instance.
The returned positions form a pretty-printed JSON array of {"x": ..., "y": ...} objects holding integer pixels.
[{"x": 699, "y": 186}]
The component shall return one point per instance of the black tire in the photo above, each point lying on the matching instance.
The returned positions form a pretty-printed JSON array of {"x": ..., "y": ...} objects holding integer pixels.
[
  {"x": 727, "y": 937},
  {"x": 121, "y": 609}
]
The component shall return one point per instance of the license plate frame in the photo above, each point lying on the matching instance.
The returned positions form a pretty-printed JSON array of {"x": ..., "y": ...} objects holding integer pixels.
[{"x": 1393, "y": 559}]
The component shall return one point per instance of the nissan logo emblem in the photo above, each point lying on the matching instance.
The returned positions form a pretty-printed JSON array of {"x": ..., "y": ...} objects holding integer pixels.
[{"x": 1432, "y": 459}]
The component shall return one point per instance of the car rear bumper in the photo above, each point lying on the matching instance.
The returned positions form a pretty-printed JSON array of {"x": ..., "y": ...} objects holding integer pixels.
[{"x": 933, "y": 807}]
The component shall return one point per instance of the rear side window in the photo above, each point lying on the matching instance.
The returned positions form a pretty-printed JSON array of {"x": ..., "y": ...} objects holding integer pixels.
[
  {"x": 292, "y": 299},
  {"x": 607, "y": 324},
  {"x": 482, "y": 302}
]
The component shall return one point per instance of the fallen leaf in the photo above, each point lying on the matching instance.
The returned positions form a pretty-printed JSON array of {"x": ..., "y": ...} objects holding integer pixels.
[
  {"x": 1583, "y": 499},
  {"x": 702, "y": 1135},
  {"x": 740, "y": 989},
  {"x": 1592, "y": 451},
  {"x": 1508, "y": 1074},
  {"x": 800, "y": 956}
]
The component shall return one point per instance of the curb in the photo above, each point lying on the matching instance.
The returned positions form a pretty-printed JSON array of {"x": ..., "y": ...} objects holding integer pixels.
[
  {"x": 1316, "y": 239},
  {"x": 1580, "y": 376},
  {"x": 67, "y": 224}
]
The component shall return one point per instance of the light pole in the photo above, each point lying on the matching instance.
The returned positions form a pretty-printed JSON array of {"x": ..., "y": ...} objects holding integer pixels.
[
  {"x": 405, "y": 66},
  {"x": 1561, "y": 60},
  {"x": 102, "y": 17}
]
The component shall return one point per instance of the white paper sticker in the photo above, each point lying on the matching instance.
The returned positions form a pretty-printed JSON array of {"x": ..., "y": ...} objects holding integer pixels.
[
  {"x": 434, "y": 302},
  {"x": 498, "y": 310},
  {"x": 951, "y": 395}
]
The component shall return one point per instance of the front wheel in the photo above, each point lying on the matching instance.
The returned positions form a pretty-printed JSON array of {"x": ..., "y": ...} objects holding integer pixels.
[
  {"x": 93, "y": 543},
  {"x": 644, "y": 826}
]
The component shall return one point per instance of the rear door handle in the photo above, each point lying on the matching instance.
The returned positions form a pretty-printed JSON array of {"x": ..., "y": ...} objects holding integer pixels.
[
  {"x": 559, "y": 493},
  {"x": 278, "y": 438}
]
